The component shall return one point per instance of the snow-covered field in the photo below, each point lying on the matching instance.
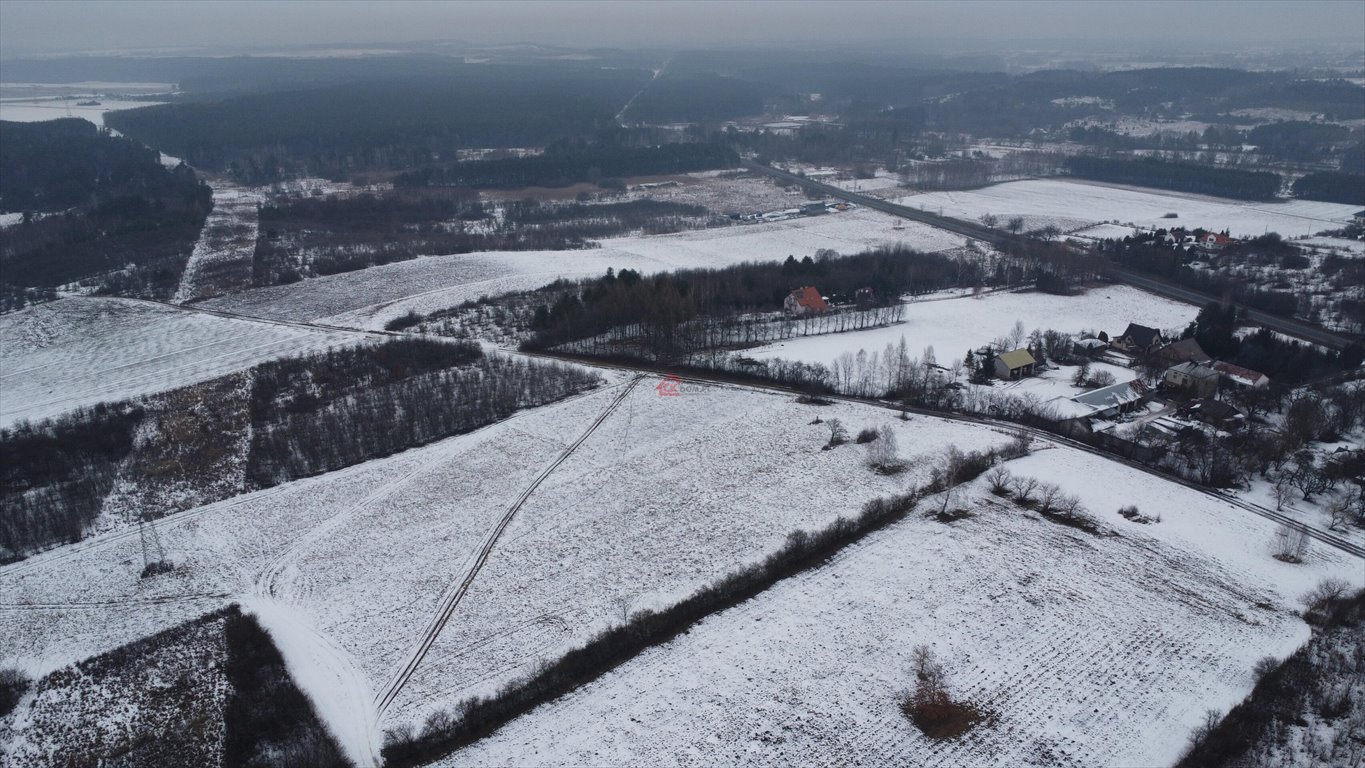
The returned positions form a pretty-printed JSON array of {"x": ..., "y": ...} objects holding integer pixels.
[
  {"x": 957, "y": 323},
  {"x": 665, "y": 496},
  {"x": 369, "y": 298},
  {"x": 80, "y": 351},
  {"x": 1087, "y": 651},
  {"x": 1071, "y": 204},
  {"x": 38, "y": 110}
]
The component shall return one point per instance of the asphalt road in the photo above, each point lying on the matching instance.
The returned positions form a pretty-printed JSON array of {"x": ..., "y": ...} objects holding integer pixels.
[{"x": 1295, "y": 328}]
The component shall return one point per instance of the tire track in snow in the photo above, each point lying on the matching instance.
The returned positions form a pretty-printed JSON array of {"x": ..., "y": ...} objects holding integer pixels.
[{"x": 450, "y": 602}]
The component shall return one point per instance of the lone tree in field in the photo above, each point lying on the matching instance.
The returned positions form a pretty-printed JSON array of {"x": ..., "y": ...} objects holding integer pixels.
[
  {"x": 929, "y": 706},
  {"x": 838, "y": 435},
  {"x": 882, "y": 453},
  {"x": 950, "y": 466},
  {"x": 1291, "y": 543}
]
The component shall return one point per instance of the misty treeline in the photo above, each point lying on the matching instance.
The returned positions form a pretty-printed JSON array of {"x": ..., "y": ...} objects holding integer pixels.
[
  {"x": 98, "y": 209},
  {"x": 696, "y": 97},
  {"x": 977, "y": 171},
  {"x": 1309, "y": 707},
  {"x": 390, "y": 124},
  {"x": 1181, "y": 177},
  {"x": 1348, "y": 188},
  {"x": 567, "y": 163},
  {"x": 305, "y": 415},
  {"x": 1225, "y": 143},
  {"x": 443, "y": 732},
  {"x": 324, "y": 236}
]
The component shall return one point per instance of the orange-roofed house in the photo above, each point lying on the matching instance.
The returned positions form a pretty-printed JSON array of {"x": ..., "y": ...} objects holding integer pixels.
[{"x": 805, "y": 301}]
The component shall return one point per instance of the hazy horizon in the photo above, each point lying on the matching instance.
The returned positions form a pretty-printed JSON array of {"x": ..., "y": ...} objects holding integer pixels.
[{"x": 80, "y": 26}]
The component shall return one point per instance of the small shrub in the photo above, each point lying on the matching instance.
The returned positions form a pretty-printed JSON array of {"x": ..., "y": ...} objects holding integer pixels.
[
  {"x": 1131, "y": 513},
  {"x": 156, "y": 568},
  {"x": 866, "y": 435},
  {"x": 403, "y": 322}
]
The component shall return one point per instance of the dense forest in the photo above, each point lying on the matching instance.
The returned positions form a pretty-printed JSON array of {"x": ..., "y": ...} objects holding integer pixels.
[
  {"x": 1348, "y": 188},
  {"x": 324, "y": 236},
  {"x": 697, "y": 98},
  {"x": 303, "y": 416},
  {"x": 1181, "y": 177},
  {"x": 562, "y": 166},
  {"x": 339, "y": 131},
  {"x": 98, "y": 208}
]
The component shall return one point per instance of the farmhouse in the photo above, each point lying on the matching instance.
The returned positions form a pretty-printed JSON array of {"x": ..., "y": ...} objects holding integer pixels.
[
  {"x": 804, "y": 301},
  {"x": 1194, "y": 378},
  {"x": 1183, "y": 351},
  {"x": 1138, "y": 339},
  {"x": 1014, "y": 365},
  {"x": 1242, "y": 378},
  {"x": 1216, "y": 241}
]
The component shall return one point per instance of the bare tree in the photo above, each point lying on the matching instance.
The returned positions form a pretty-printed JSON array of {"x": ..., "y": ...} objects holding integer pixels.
[
  {"x": 1291, "y": 543},
  {"x": 1017, "y": 334},
  {"x": 1024, "y": 488},
  {"x": 1308, "y": 476},
  {"x": 882, "y": 453},
  {"x": 1341, "y": 511},
  {"x": 838, "y": 435},
  {"x": 989, "y": 220},
  {"x": 1281, "y": 492},
  {"x": 1048, "y": 495},
  {"x": 931, "y": 679},
  {"x": 1015, "y": 225},
  {"x": 999, "y": 479},
  {"x": 950, "y": 466}
]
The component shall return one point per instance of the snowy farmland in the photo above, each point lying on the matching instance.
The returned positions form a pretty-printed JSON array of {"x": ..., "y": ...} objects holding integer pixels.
[
  {"x": 1086, "y": 650},
  {"x": 350, "y": 569},
  {"x": 1073, "y": 205},
  {"x": 652, "y": 506},
  {"x": 956, "y": 323},
  {"x": 80, "y": 351},
  {"x": 370, "y": 297}
]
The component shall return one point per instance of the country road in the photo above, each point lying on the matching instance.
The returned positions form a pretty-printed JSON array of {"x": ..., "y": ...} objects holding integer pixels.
[{"x": 1296, "y": 328}]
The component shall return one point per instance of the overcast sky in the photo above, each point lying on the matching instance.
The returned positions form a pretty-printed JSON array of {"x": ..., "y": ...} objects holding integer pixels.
[{"x": 75, "y": 25}]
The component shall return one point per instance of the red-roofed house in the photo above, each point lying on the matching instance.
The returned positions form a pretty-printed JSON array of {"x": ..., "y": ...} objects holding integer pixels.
[
  {"x": 1216, "y": 241},
  {"x": 1242, "y": 377},
  {"x": 805, "y": 301}
]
